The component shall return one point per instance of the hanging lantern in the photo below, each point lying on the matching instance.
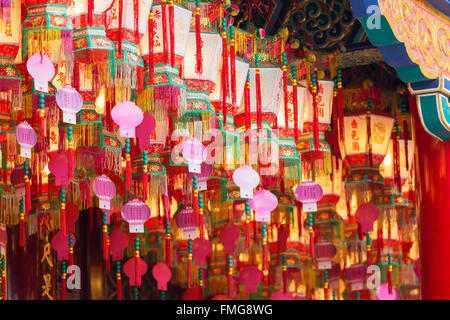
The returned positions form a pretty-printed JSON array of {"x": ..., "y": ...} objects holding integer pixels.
[
  {"x": 165, "y": 53},
  {"x": 42, "y": 70},
  {"x": 186, "y": 222},
  {"x": 246, "y": 179},
  {"x": 195, "y": 153},
  {"x": 126, "y": 24},
  {"x": 308, "y": 193},
  {"x": 26, "y": 137},
  {"x": 316, "y": 159},
  {"x": 54, "y": 35},
  {"x": 325, "y": 251},
  {"x": 105, "y": 190},
  {"x": 70, "y": 102},
  {"x": 199, "y": 119},
  {"x": 263, "y": 202},
  {"x": 136, "y": 212},
  {"x": 364, "y": 154},
  {"x": 356, "y": 274},
  {"x": 127, "y": 116},
  {"x": 93, "y": 51}
]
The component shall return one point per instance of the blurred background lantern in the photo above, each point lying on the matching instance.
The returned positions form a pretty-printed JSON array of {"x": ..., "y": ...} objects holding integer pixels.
[
  {"x": 26, "y": 137},
  {"x": 70, "y": 102},
  {"x": 136, "y": 212},
  {"x": 316, "y": 160}
]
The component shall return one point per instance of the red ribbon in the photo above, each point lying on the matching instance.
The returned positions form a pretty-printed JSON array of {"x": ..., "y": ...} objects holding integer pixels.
[
  {"x": 63, "y": 222},
  {"x": 198, "y": 42},
  {"x": 369, "y": 138},
  {"x": 22, "y": 233},
  {"x": 164, "y": 25},
  {"x": 128, "y": 175},
  {"x": 151, "y": 67},
  {"x": 120, "y": 26},
  {"x": 119, "y": 288},
  {"x": 233, "y": 71},
  {"x": 172, "y": 33},
  {"x": 258, "y": 98},
  {"x": 295, "y": 97},
  {"x": 224, "y": 76}
]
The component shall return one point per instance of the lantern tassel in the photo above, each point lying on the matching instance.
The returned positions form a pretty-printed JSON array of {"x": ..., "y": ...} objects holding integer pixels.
[
  {"x": 128, "y": 174},
  {"x": 233, "y": 65},
  {"x": 70, "y": 163},
  {"x": 22, "y": 232},
  {"x": 145, "y": 185},
  {"x": 369, "y": 132},
  {"x": 172, "y": 33},
  {"x": 258, "y": 93},
  {"x": 315, "y": 114},
  {"x": 295, "y": 102},
  {"x": 198, "y": 42},
  {"x": 340, "y": 101},
  {"x": 119, "y": 287},
  {"x": 137, "y": 271},
  {"x": 120, "y": 26},
  {"x": 63, "y": 221},
  {"x": 151, "y": 64},
  {"x": 27, "y": 198},
  {"x": 63, "y": 287},
  {"x": 285, "y": 90},
  {"x": 164, "y": 25}
]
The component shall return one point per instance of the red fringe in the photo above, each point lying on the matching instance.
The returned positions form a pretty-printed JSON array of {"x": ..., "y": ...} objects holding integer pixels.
[
  {"x": 70, "y": 163},
  {"x": 369, "y": 139},
  {"x": 315, "y": 120},
  {"x": 168, "y": 93},
  {"x": 128, "y": 175},
  {"x": 224, "y": 78},
  {"x": 119, "y": 288},
  {"x": 137, "y": 271},
  {"x": 198, "y": 42},
  {"x": 164, "y": 25},
  {"x": 335, "y": 123},
  {"x": 105, "y": 245},
  {"x": 120, "y": 26},
  {"x": 396, "y": 151},
  {"x": 189, "y": 273},
  {"x": 295, "y": 97},
  {"x": 247, "y": 234},
  {"x": 151, "y": 66},
  {"x": 63, "y": 222},
  {"x": 311, "y": 244},
  {"x": 172, "y": 33},
  {"x": 145, "y": 185},
  {"x": 42, "y": 132},
  {"x": 285, "y": 89},
  {"x": 258, "y": 99},
  {"x": 390, "y": 281},
  {"x": 27, "y": 198},
  {"x": 406, "y": 138},
  {"x": 168, "y": 252},
  {"x": 195, "y": 207},
  {"x": 22, "y": 233},
  {"x": 233, "y": 73}
]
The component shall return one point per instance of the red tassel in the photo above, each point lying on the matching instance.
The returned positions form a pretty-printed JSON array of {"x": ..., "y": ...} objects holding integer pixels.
[
  {"x": 105, "y": 243},
  {"x": 285, "y": 278},
  {"x": 120, "y": 26},
  {"x": 390, "y": 281},
  {"x": 369, "y": 137},
  {"x": 201, "y": 226},
  {"x": 3, "y": 288},
  {"x": 335, "y": 123},
  {"x": 22, "y": 233},
  {"x": 247, "y": 234},
  {"x": 136, "y": 19},
  {"x": 145, "y": 185},
  {"x": 119, "y": 288},
  {"x": 189, "y": 273},
  {"x": 137, "y": 271},
  {"x": 325, "y": 290},
  {"x": 295, "y": 97},
  {"x": 379, "y": 244},
  {"x": 172, "y": 33},
  {"x": 42, "y": 131},
  {"x": 151, "y": 64},
  {"x": 168, "y": 252},
  {"x": 63, "y": 288},
  {"x": 233, "y": 69},
  {"x": 71, "y": 257},
  {"x": 90, "y": 10},
  {"x": 195, "y": 208},
  {"x": 198, "y": 42},
  {"x": 27, "y": 198},
  {"x": 311, "y": 244},
  {"x": 224, "y": 75},
  {"x": 405, "y": 139},
  {"x": 396, "y": 151},
  {"x": 63, "y": 222},
  {"x": 340, "y": 101},
  {"x": 70, "y": 163},
  {"x": 286, "y": 95},
  {"x": 258, "y": 98},
  {"x": 164, "y": 25},
  {"x": 128, "y": 175},
  {"x": 315, "y": 117}
]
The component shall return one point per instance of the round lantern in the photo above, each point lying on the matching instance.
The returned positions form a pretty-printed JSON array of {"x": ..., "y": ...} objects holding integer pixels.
[
  {"x": 263, "y": 202},
  {"x": 308, "y": 193},
  {"x": 366, "y": 215},
  {"x": 70, "y": 102},
  {"x": 195, "y": 153},
  {"x": 128, "y": 116},
  {"x": 42, "y": 70},
  {"x": 26, "y": 137},
  {"x": 324, "y": 252},
  {"x": 17, "y": 180},
  {"x": 136, "y": 212},
  {"x": 356, "y": 274},
  {"x": 185, "y": 220},
  {"x": 105, "y": 190},
  {"x": 246, "y": 179}
]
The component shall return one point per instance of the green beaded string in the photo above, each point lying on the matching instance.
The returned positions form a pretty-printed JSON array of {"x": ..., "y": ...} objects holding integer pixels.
[
  {"x": 357, "y": 296},
  {"x": 334, "y": 295},
  {"x": 163, "y": 295},
  {"x": 135, "y": 293},
  {"x": 63, "y": 266}
]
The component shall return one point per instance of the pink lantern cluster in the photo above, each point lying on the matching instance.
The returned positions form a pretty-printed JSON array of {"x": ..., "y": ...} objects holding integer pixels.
[
  {"x": 105, "y": 190},
  {"x": 26, "y": 137},
  {"x": 136, "y": 212}
]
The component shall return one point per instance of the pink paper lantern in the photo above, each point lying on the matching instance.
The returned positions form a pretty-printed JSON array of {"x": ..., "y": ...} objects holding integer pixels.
[
  {"x": 194, "y": 152},
  {"x": 105, "y": 190},
  {"x": 324, "y": 252},
  {"x": 162, "y": 274},
  {"x": 246, "y": 179},
  {"x": 129, "y": 268},
  {"x": 136, "y": 212},
  {"x": 366, "y": 215},
  {"x": 383, "y": 292},
  {"x": 26, "y": 137},
  {"x": 58, "y": 166},
  {"x": 308, "y": 193},
  {"x": 263, "y": 202},
  {"x": 356, "y": 274},
  {"x": 200, "y": 250},
  {"x": 127, "y": 116},
  {"x": 118, "y": 242},
  {"x": 145, "y": 129},
  {"x": 250, "y": 277},
  {"x": 70, "y": 102},
  {"x": 228, "y": 236},
  {"x": 60, "y": 244},
  {"x": 185, "y": 220},
  {"x": 205, "y": 171},
  {"x": 42, "y": 70}
]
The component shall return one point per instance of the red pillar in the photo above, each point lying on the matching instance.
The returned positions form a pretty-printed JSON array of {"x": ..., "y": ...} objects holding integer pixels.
[{"x": 432, "y": 185}]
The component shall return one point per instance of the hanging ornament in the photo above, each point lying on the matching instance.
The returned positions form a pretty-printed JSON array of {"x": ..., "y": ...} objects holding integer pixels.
[
  {"x": 324, "y": 252},
  {"x": 263, "y": 203},
  {"x": 246, "y": 179},
  {"x": 42, "y": 70},
  {"x": 26, "y": 137},
  {"x": 308, "y": 193},
  {"x": 195, "y": 153},
  {"x": 70, "y": 102},
  {"x": 127, "y": 116},
  {"x": 250, "y": 277},
  {"x": 136, "y": 212},
  {"x": 185, "y": 220},
  {"x": 356, "y": 274},
  {"x": 105, "y": 190}
]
